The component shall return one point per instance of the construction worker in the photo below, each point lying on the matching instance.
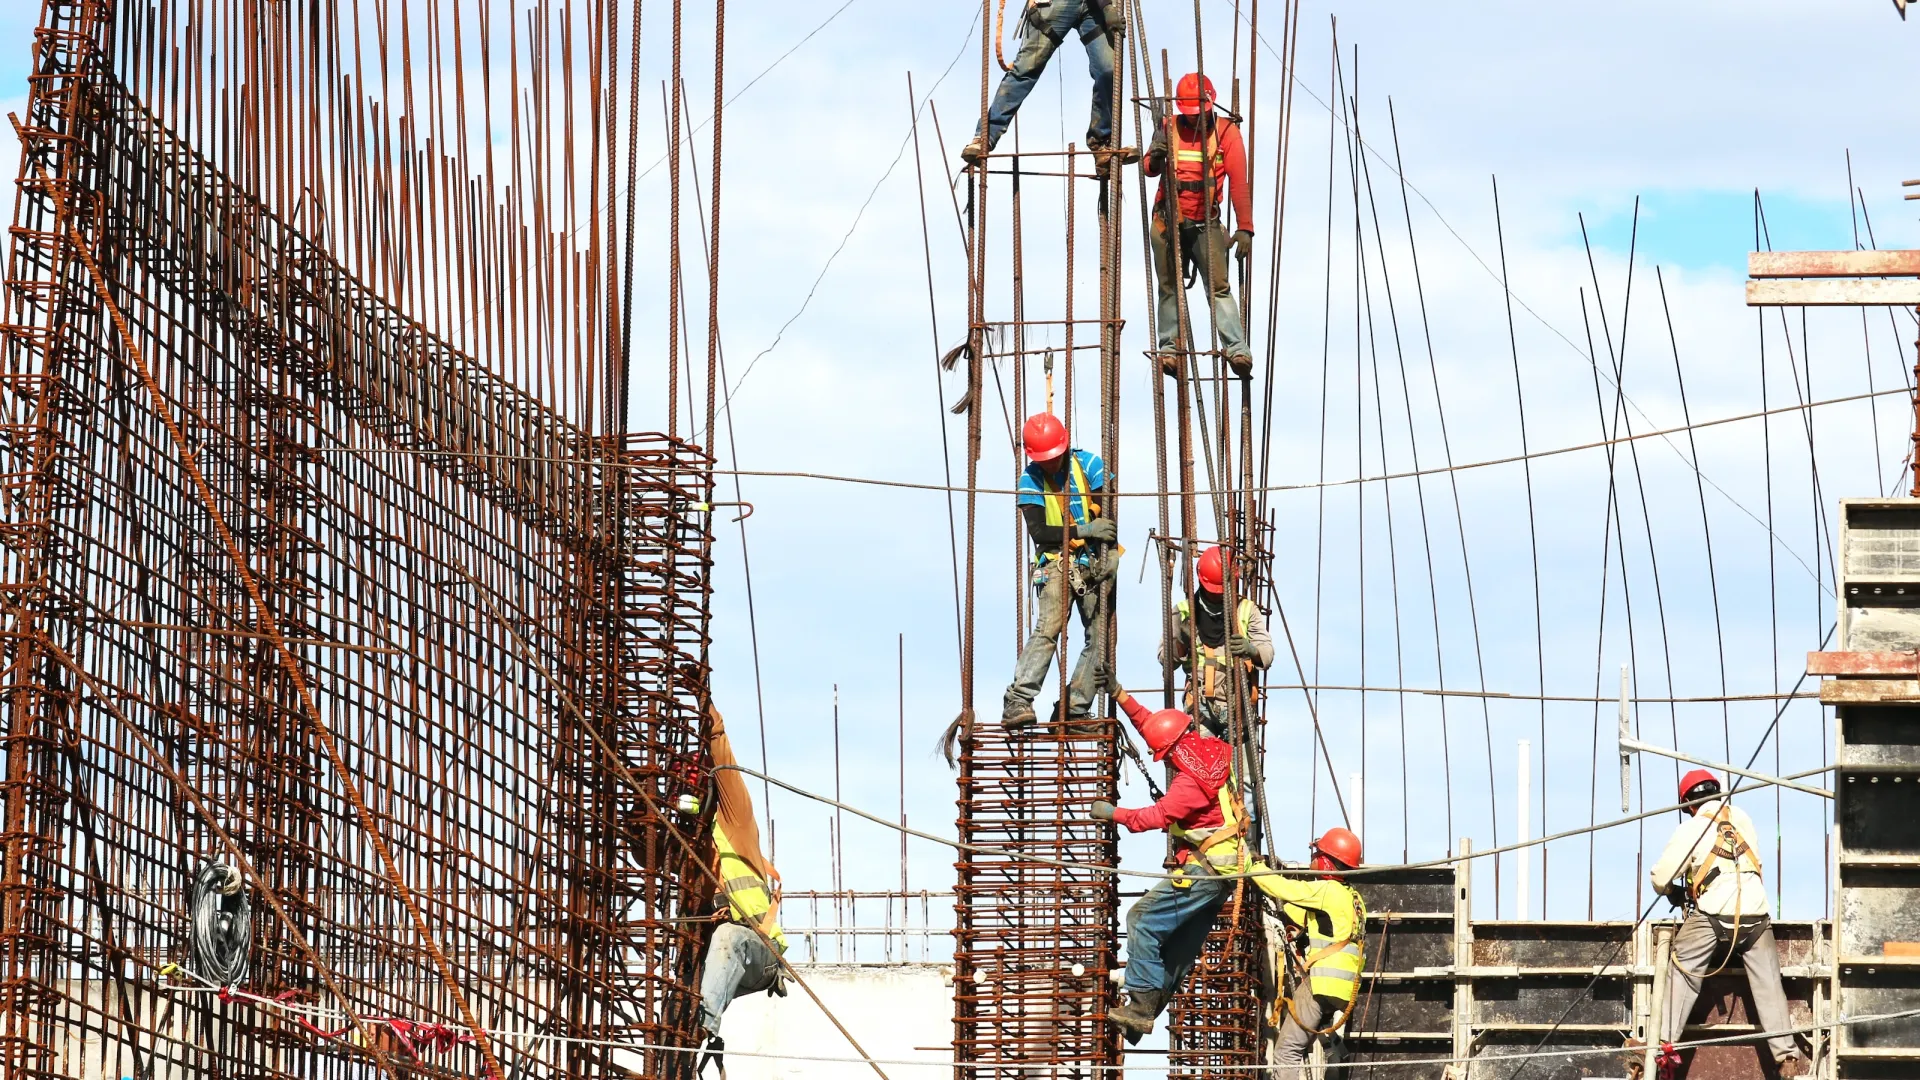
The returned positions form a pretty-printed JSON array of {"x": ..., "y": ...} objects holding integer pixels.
[
  {"x": 744, "y": 955},
  {"x": 1326, "y": 922},
  {"x": 1046, "y": 24},
  {"x": 1202, "y": 812},
  {"x": 1711, "y": 869},
  {"x": 1209, "y": 667},
  {"x": 1203, "y": 150},
  {"x": 1056, "y": 493}
]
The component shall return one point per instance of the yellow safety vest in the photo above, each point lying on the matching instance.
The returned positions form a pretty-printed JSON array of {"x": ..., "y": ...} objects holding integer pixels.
[
  {"x": 1056, "y": 498},
  {"x": 1335, "y": 919},
  {"x": 748, "y": 900},
  {"x": 1208, "y": 666},
  {"x": 1220, "y": 845}
]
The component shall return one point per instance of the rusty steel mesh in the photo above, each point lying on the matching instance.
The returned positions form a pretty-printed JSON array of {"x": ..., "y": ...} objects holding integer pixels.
[{"x": 293, "y": 583}]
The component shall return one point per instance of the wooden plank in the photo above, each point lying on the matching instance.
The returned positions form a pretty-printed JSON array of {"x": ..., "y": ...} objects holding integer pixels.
[
  {"x": 1834, "y": 292},
  {"x": 1870, "y": 692},
  {"x": 1863, "y": 663},
  {"x": 1778, "y": 264}
]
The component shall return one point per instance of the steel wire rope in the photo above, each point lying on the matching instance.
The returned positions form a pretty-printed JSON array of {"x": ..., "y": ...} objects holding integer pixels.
[
  {"x": 293, "y": 1009},
  {"x": 1533, "y": 544},
  {"x": 1748, "y": 785}
]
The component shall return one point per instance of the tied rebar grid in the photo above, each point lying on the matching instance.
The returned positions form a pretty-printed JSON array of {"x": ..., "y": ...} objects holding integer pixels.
[
  {"x": 1033, "y": 943},
  {"x": 481, "y": 622}
]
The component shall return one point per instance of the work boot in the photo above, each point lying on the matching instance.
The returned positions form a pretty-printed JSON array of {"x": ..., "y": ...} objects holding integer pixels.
[
  {"x": 1241, "y": 363},
  {"x": 1137, "y": 1016},
  {"x": 1017, "y": 718},
  {"x": 975, "y": 150},
  {"x": 1791, "y": 1064},
  {"x": 1170, "y": 363}
]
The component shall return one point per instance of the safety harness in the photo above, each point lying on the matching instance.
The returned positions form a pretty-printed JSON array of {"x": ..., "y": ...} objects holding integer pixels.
[
  {"x": 1218, "y": 847},
  {"x": 1208, "y": 667},
  {"x": 1322, "y": 948},
  {"x": 1729, "y": 847}
]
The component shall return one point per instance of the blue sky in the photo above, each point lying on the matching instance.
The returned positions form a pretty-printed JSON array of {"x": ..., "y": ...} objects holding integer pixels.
[{"x": 1577, "y": 111}]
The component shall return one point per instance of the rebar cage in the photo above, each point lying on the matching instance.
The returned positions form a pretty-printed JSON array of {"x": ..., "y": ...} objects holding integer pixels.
[{"x": 292, "y": 584}]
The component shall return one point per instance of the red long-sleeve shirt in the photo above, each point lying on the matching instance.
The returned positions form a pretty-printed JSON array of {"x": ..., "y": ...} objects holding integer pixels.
[
  {"x": 1233, "y": 164},
  {"x": 1188, "y": 803}
]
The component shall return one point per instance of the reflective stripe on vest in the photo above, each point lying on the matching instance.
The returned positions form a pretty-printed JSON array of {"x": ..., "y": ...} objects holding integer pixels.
[
  {"x": 1192, "y": 159},
  {"x": 748, "y": 900},
  {"x": 1220, "y": 845},
  {"x": 1207, "y": 665},
  {"x": 1056, "y": 499},
  {"x": 1334, "y": 963}
]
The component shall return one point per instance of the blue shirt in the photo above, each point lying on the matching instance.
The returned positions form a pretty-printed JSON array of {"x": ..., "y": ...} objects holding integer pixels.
[{"x": 1034, "y": 484}]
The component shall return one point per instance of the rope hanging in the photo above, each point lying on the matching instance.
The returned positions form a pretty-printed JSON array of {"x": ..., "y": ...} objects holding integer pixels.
[{"x": 220, "y": 920}]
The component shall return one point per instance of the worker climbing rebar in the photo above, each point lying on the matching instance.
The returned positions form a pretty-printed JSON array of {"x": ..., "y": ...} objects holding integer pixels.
[
  {"x": 1045, "y": 24},
  {"x": 1074, "y": 556},
  {"x": 1204, "y": 154},
  {"x": 1209, "y": 664},
  {"x": 741, "y": 958},
  {"x": 1710, "y": 868}
]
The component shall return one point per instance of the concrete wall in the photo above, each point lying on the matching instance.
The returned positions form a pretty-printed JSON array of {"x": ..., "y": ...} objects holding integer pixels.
[{"x": 901, "y": 1012}]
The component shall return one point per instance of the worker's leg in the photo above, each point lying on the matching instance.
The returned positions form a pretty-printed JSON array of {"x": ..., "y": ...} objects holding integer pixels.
[
  {"x": 1762, "y": 959},
  {"x": 1212, "y": 714},
  {"x": 1296, "y": 1034},
  {"x": 738, "y": 962},
  {"x": 1093, "y": 34},
  {"x": 1209, "y": 246},
  {"x": 1087, "y": 670},
  {"x": 1036, "y": 659},
  {"x": 1158, "y": 957},
  {"x": 1035, "y": 50},
  {"x": 1167, "y": 277},
  {"x": 1697, "y": 948}
]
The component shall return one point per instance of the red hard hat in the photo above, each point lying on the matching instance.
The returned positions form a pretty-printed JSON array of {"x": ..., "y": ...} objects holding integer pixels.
[
  {"x": 1340, "y": 845},
  {"x": 1187, "y": 96},
  {"x": 1163, "y": 729},
  {"x": 1045, "y": 437},
  {"x": 1207, "y": 569},
  {"x": 1694, "y": 779}
]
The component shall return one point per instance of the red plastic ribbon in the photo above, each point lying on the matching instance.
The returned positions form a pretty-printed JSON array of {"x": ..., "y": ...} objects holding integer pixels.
[{"x": 1667, "y": 1061}]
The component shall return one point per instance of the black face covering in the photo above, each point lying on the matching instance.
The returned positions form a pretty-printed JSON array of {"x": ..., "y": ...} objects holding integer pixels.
[{"x": 1209, "y": 622}]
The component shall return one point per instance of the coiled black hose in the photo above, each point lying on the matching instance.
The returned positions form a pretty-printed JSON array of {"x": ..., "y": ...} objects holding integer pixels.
[{"x": 220, "y": 913}]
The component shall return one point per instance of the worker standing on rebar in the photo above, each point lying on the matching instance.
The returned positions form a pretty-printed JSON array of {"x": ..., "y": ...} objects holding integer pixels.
[
  {"x": 1202, "y": 811},
  {"x": 744, "y": 955},
  {"x": 1045, "y": 25},
  {"x": 1210, "y": 665},
  {"x": 1711, "y": 869},
  {"x": 1206, "y": 156},
  {"x": 1326, "y": 952},
  {"x": 1073, "y": 558}
]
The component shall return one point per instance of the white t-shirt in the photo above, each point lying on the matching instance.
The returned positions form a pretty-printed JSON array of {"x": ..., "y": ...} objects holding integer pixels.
[{"x": 1733, "y": 891}]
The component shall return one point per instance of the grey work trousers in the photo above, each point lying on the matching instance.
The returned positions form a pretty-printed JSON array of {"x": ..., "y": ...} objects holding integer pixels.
[
  {"x": 1050, "y": 597},
  {"x": 1297, "y": 1035},
  {"x": 1205, "y": 246},
  {"x": 1701, "y": 945},
  {"x": 738, "y": 962}
]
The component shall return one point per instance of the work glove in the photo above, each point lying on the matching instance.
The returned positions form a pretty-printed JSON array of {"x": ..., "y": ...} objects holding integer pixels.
[
  {"x": 1240, "y": 645},
  {"x": 1242, "y": 243},
  {"x": 1099, "y": 530},
  {"x": 1157, "y": 149},
  {"x": 1103, "y": 811}
]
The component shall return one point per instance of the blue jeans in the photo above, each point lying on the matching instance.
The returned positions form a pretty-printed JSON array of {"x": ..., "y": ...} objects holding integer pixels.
[
  {"x": 738, "y": 962},
  {"x": 1066, "y": 16},
  {"x": 1205, "y": 246},
  {"x": 1049, "y": 620},
  {"x": 1167, "y": 928}
]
